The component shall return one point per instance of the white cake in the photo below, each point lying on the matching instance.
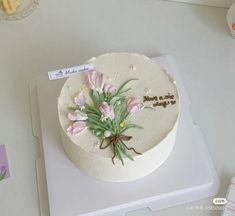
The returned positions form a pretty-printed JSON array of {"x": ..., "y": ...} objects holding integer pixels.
[{"x": 97, "y": 149}]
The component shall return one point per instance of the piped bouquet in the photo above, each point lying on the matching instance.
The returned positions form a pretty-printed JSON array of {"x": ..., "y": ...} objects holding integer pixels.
[{"x": 107, "y": 116}]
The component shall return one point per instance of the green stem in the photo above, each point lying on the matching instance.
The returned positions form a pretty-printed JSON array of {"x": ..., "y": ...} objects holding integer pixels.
[
  {"x": 125, "y": 117},
  {"x": 2, "y": 175},
  {"x": 92, "y": 121},
  {"x": 122, "y": 86},
  {"x": 92, "y": 110},
  {"x": 118, "y": 152}
]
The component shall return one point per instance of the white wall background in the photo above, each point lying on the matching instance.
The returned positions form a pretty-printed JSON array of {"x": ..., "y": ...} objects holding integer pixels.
[{"x": 219, "y": 3}]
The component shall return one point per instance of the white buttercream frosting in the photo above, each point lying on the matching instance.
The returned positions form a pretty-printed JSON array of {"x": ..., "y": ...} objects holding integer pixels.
[{"x": 155, "y": 141}]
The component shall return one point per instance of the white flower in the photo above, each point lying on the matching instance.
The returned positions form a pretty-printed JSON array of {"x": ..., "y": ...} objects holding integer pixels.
[{"x": 107, "y": 133}]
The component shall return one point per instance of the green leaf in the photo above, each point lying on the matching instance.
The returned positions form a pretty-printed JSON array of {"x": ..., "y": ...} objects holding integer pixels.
[
  {"x": 72, "y": 108},
  {"x": 148, "y": 107},
  {"x": 118, "y": 153},
  {"x": 94, "y": 122},
  {"x": 91, "y": 109},
  {"x": 119, "y": 112},
  {"x": 93, "y": 127},
  {"x": 101, "y": 97},
  {"x": 115, "y": 99},
  {"x": 114, "y": 126},
  {"x": 96, "y": 118},
  {"x": 123, "y": 85},
  {"x": 129, "y": 157},
  {"x": 124, "y": 150},
  {"x": 110, "y": 124},
  {"x": 95, "y": 98},
  {"x": 124, "y": 116},
  {"x": 2, "y": 175},
  {"x": 129, "y": 127},
  {"x": 124, "y": 91},
  {"x": 94, "y": 115},
  {"x": 109, "y": 97}
]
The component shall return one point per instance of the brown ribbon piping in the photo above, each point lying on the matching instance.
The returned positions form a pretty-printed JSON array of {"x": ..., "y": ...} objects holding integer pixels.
[{"x": 112, "y": 141}]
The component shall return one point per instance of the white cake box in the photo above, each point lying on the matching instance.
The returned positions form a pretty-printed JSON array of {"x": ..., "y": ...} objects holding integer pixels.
[{"x": 182, "y": 178}]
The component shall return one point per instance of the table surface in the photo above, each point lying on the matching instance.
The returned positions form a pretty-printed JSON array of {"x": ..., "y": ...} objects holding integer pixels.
[{"x": 61, "y": 34}]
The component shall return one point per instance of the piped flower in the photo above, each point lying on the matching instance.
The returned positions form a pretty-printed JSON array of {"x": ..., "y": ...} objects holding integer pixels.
[
  {"x": 95, "y": 81},
  {"x": 107, "y": 111},
  {"x": 134, "y": 105},
  {"x": 3, "y": 169},
  {"x": 109, "y": 89},
  {"x": 107, "y": 133},
  {"x": 77, "y": 116},
  {"x": 76, "y": 128},
  {"x": 80, "y": 100}
]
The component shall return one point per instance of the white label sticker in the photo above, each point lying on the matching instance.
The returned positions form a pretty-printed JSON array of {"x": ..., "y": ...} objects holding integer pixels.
[{"x": 67, "y": 72}]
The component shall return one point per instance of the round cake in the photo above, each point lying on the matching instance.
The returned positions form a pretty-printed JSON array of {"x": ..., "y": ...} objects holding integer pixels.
[{"x": 119, "y": 122}]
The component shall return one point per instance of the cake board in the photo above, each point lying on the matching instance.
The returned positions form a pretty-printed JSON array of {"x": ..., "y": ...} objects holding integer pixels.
[{"x": 182, "y": 178}]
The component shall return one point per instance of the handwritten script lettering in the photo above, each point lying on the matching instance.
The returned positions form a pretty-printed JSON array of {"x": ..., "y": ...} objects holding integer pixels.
[
  {"x": 161, "y": 100},
  {"x": 66, "y": 72}
]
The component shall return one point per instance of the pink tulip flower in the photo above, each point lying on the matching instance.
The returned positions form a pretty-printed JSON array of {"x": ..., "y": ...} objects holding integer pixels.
[
  {"x": 76, "y": 128},
  {"x": 95, "y": 81},
  {"x": 109, "y": 89},
  {"x": 134, "y": 105},
  {"x": 80, "y": 100},
  {"x": 107, "y": 111},
  {"x": 77, "y": 116}
]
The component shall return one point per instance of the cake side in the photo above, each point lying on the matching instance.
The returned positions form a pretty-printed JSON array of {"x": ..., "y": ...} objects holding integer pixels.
[{"x": 102, "y": 168}]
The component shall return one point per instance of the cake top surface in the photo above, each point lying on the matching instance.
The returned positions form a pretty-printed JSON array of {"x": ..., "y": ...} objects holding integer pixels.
[{"x": 151, "y": 87}]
